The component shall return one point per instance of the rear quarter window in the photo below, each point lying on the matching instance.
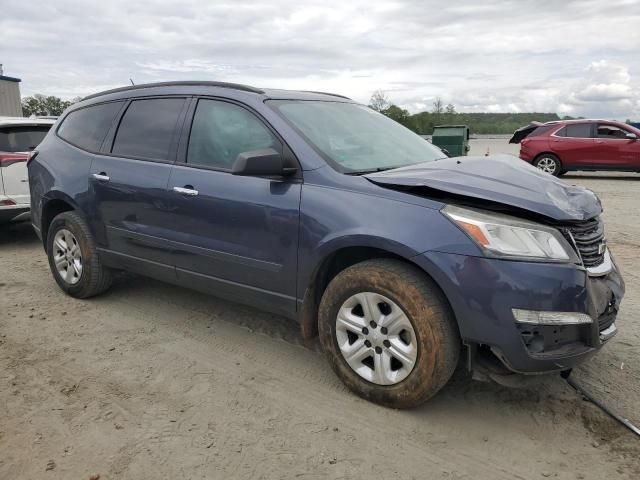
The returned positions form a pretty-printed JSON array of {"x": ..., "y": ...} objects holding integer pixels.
[
  {"x": 21, "y": 138},
  {"x": 540, "y": 130},
  {"x": 87, "y": 127}
]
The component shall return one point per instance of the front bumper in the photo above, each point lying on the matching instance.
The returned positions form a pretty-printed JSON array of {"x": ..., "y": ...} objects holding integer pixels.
[{"x": 483, "y": 291}]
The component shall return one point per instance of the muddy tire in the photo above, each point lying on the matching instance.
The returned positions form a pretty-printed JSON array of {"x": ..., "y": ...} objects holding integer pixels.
[
  {"x": 549, "y": 163},
  {"x": 73, "y": 258},
  {"x": 388, "y": 332}
]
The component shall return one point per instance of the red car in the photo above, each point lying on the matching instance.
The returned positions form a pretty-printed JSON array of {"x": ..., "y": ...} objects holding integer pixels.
[{"x": 557, "y": 147}]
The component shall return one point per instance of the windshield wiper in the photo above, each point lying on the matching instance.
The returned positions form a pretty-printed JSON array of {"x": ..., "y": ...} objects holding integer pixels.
[{"x": 369, "y": 170}]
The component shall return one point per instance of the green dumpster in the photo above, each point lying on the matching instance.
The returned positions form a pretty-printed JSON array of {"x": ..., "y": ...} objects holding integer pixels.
[{"x": 452, "y": 138}]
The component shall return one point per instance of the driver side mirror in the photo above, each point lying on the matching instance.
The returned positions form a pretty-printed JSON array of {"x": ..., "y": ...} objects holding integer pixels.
[
  {"x": 261, "y": 163},
  {"x": 631, "y": 136}
]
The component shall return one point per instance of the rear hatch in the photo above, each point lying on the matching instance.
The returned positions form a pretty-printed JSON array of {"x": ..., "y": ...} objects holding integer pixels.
[
  {"x": 16, "y": 141},
  {"x": 524, "y": 132}
]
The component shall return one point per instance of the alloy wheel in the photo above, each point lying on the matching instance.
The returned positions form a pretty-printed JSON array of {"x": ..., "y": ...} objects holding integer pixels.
[
  {"x": 547, "y": 164},
  {"x": 67, "y": 256},
  {"x": 376, "y": 338}
]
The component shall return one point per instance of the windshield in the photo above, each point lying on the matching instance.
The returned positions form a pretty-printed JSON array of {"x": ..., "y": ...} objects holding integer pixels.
[
  {"x": 21, "y": 138},
  {"x": 354, "y": 138}
]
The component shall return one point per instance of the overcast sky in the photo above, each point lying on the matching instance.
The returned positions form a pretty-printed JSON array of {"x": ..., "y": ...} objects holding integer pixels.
[{"x": 577, "y": 58}]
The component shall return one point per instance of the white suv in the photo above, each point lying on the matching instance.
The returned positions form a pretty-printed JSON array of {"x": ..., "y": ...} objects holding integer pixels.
[{"x": 18, "y": 136}]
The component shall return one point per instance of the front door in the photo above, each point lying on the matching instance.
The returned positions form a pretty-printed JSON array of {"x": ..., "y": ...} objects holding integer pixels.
[
  {"x": 613, "y": 150},
  {"x": 128, "y": 184},
  {"x": 233, "y": 235}
]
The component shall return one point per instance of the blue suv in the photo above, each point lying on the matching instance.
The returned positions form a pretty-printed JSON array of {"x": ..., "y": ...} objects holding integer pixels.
[{"x": 314, "y": 207}]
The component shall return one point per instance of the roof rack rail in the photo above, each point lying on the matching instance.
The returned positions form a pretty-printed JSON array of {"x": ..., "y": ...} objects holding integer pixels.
[
  {"x": 325, "y": 93},
  {"x": 235, "y": 86}
]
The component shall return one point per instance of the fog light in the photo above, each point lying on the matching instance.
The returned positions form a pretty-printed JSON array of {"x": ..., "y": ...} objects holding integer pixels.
[{"x": 550, "y": 318}]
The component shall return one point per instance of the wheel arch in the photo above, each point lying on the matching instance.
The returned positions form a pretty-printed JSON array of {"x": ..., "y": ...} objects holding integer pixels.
[
  {"x": 335, "y": 262},
  {"x": 53, "y": 204}
]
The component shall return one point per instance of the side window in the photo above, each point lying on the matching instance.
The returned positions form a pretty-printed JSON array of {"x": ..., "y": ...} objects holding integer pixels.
[
  {"x": 87, "y": 127},
  {"x": 578, "y": 130},
  {"x": 540, "y": 130},
  {"x": 147, "y": 128},
  {"x": 561, "y": 133},
  {"x": 221, "y": 130},
  {"x": 611, "y": 131}
]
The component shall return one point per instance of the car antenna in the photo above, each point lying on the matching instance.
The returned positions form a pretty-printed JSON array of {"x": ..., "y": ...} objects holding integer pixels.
[{"x": 132, "y": 82}]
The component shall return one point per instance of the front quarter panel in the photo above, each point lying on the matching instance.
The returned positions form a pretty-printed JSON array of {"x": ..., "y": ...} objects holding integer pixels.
[{"x": 335, "y": 218}]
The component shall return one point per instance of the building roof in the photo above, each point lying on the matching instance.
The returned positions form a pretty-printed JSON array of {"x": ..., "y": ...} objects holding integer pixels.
[
  {"x": 10, "y": 79},
  {"x": 33, "y": 121}
]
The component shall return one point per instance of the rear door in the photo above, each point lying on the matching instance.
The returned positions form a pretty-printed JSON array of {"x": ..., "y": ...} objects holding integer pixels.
[
  {"x": 573, "y": 144},
  {"x": 233, "y": 235},
  {"x": 128, "y": 184},
  {"x": 15, "y": 143},
  {"x": 613, "y": 150}
]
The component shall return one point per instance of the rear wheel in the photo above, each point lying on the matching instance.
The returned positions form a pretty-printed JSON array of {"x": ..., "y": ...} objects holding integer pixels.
[
  {"x": 549, "y": 163},
  {"x": 73, "y": 258},
  {"x": 388, "y": 333}
]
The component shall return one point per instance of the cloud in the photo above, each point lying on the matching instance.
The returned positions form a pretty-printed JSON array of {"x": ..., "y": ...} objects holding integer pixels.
[
  {"x": 607, "y": 90},
  {"x": 488, "y": 56}
]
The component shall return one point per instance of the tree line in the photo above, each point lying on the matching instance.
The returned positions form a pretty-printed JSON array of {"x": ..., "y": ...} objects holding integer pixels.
[
  {"x": 440, "y": 114},
  {"x": 41, "y": 105},
  {"x": 421, "y": 123}
]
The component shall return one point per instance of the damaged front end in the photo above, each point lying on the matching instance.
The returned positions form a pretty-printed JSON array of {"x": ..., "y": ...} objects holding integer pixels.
[{"x": 544, "y": 291}]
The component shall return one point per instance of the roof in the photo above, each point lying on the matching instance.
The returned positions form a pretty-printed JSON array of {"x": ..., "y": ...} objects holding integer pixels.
[
  {"x": 582, "y": 120},
  {"x": 276, "y": 93},
  {"x": 269, "y": 93},
  {"x": 5, "y": 121},
  {"x": 10, "y": 79},
  {"x": 235, "y": 86}
]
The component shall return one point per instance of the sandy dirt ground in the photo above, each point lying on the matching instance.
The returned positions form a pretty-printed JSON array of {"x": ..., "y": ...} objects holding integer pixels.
[{"x": 151, "y": 381}]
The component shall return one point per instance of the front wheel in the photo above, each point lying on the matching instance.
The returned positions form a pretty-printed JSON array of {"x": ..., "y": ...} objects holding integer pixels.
[
  {"x": 549, "y": 163},
  {"x": 388, "y": 332}
]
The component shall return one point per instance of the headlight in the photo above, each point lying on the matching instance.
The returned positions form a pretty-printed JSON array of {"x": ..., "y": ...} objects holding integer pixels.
[{"x": 505, "y": 236}]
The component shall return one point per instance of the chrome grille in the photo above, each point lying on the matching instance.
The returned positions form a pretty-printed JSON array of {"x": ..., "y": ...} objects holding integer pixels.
[{"x": 588, "y": 237}]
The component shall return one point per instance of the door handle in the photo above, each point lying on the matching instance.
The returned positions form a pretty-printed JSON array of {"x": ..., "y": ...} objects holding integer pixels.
[
  {"x": 103, "y": 177},
  {"x": 186, "y": 190}
]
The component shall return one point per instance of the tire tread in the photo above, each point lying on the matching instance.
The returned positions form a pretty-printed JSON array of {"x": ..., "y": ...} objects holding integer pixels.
[
  {"x": 97, "y": 278},
  {"x": 441, "y": 319}
]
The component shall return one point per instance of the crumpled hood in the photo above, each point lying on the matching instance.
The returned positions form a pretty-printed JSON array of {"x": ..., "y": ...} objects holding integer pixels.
[{"x": 503, "y": 179}]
